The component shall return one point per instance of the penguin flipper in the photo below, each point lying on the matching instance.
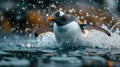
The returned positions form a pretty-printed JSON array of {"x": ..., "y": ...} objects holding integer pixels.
[
  {"x": 90, "y": 27},
  {"x": 42, "y": 30}
]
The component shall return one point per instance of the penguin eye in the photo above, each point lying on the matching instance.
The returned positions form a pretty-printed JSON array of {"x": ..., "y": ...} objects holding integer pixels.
[{"x": 64, "y": 17}]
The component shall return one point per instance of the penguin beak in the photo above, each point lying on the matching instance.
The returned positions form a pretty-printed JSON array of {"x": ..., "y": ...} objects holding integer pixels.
[{"x": 50, "y": 18}]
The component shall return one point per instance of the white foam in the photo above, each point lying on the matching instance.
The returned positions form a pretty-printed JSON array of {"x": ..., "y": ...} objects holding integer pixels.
[
  {"x": 101, "y": 40},
  {"x": 47, "y": 40}
]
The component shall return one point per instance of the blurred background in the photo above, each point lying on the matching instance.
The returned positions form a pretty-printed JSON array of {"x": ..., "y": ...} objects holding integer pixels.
[{"x": 25, "y": 16}]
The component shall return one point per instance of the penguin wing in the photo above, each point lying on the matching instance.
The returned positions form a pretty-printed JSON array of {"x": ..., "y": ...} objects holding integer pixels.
[
  {"x": 90, "y": 27},
  {"x": 42, "y": 30}
]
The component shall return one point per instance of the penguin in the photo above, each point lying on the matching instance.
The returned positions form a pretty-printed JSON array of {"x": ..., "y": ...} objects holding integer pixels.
[{"x": 68, "y": 32}]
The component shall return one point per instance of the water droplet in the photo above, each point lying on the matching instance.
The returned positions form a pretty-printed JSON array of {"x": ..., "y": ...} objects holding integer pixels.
[{"x": 4, "y": 37}]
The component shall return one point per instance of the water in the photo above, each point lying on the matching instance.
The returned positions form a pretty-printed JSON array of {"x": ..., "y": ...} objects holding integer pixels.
[{"x": 45, "y": 51}]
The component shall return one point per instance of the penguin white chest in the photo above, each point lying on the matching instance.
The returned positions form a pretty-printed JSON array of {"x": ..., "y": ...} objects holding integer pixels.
[{"x": 68, "y": 34}]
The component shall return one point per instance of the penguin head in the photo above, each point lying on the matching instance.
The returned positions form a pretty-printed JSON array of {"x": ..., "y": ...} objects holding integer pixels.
[{"x": 60, "y": 18}]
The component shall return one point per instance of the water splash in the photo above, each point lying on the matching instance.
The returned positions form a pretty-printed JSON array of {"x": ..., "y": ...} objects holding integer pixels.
[{"x": 47, "y": 41}]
